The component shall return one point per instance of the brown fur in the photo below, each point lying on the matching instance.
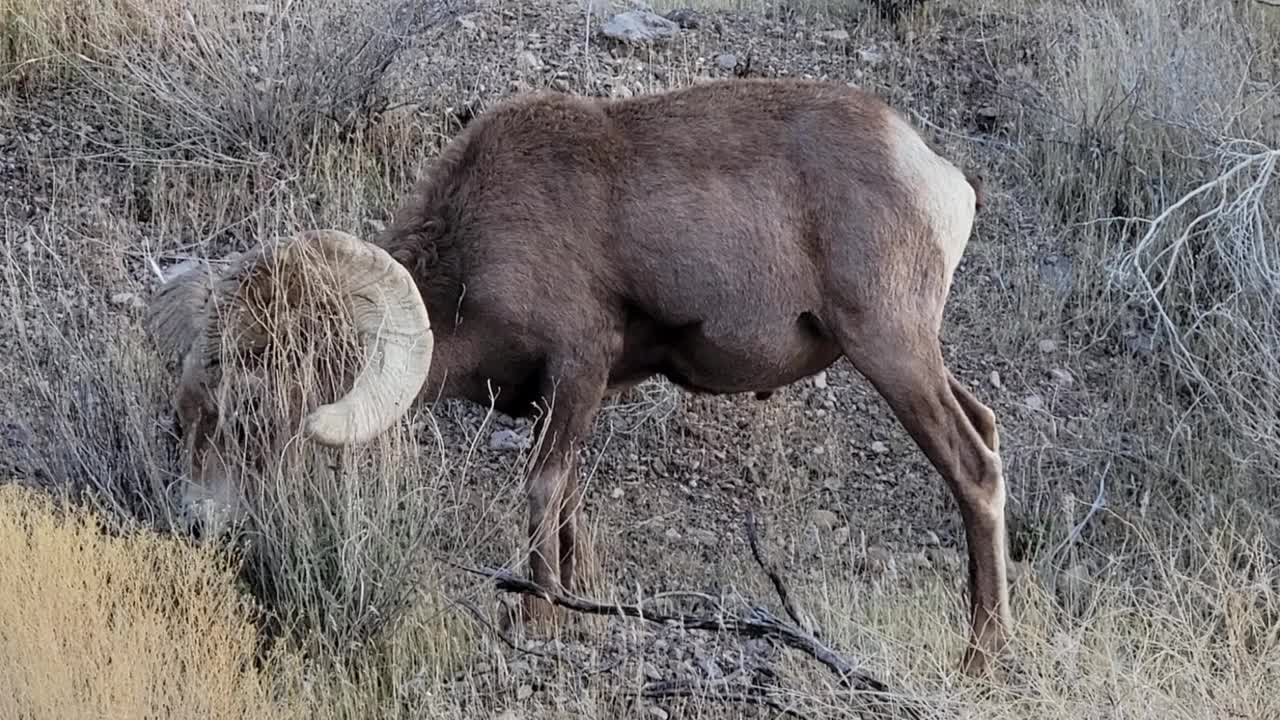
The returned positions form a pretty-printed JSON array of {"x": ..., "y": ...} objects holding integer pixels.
[{"x": 734, "y": 236}]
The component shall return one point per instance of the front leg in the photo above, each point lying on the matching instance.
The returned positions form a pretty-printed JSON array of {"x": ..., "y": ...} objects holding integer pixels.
[
  {"x": 544, "y": 491},
  {"x": 575, "y": 391}
]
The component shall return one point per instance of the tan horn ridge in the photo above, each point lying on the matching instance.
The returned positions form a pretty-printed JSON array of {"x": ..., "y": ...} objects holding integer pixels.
[{"x": 395, "y": 336}]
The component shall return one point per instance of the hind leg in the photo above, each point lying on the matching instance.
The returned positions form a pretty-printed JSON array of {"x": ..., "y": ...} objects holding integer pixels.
[{"x": 958, "y": 435}]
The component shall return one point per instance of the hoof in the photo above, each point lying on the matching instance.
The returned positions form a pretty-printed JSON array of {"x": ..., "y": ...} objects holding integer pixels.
[{"x": 539, "y": 616}]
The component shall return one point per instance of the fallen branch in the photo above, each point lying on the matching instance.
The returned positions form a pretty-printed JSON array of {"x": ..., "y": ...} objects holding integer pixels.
[
  {"x": 775, "y": 576},
  {"x": 758, "y": 623},
  {"x": 720, "y": 691}
]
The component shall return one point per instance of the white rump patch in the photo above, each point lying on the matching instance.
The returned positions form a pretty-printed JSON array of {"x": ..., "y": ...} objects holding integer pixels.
[{"x": 941, "y": 190}]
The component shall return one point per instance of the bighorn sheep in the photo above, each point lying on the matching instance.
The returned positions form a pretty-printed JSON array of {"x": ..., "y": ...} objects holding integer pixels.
[{"x": 733, "y": 236}]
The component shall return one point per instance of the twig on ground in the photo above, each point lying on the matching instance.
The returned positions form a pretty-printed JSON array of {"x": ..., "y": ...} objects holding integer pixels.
[
  {"x": 721, "y": 691},
  {"x": 753, "y": 540},
  {"x": 759, "y": 623},
  {"x": 506, "y": 640},
  {"x": 1098, "y": 502}
]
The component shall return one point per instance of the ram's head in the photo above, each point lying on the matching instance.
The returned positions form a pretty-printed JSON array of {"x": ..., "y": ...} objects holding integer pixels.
[{"x": 323, "y": 314}]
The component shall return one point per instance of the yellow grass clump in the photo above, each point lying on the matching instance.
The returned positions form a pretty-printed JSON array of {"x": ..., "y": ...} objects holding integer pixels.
[{"x": 121, "y": 626}]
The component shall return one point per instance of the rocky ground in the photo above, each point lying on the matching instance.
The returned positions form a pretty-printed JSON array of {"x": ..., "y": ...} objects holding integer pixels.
[{"x": 845, "y": 493}]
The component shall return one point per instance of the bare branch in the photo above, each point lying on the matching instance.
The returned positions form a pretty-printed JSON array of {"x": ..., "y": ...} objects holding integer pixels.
[
  {"x": 759, "y": 624},
  {"x": 721, "y": 691},
  {"x": 775, "y": 576}
]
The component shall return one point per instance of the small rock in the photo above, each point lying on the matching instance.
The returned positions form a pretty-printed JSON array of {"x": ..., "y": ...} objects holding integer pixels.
[
  {"x": 658, "y": 713},
  {"x": 620, "y": 91},
  {"x": 920, "y": 560},
  {"x": 943, "y": 558},
  {"x": 376, "y": 225},
  {"x": 1047, "y": 345},
  {"x": 870, "y": 56},
  {"x": 840, "y": 35},
  {"x": 1034, "y": 402},
  {"x": 820, "y": 380},
  {"x": 987, "y": 118},
  {"x": 841, "y": 536},
  {"x": 524, "y": 692},
  {"x": 687, "y": 18},
  {"x": 1057, "y": 272},
  {"x": 705, "y": 538},
  {"x": 507, "y": 439},
  {"x": 727, "y": 61},
  {"x": 651, "y": 671},
  {"x": 616, "y": 494},
  {"x": 931, "y": 539},
  {"x": 509, "y": 714},
  {"x": 1062, "y": 376},
  {"x": 672, "y": 534},
  {"x": 637, "y": 26},
  {"x": 528, "y": 61},
  {"x": 879, "y": 560},
  {"x": 127, "y": 299},
  {"x": 467, "y": 23},
  {"x": 879, "y": 448},
  {"x": 825, "y": 520},
  {"x": 995, "y": 380}
]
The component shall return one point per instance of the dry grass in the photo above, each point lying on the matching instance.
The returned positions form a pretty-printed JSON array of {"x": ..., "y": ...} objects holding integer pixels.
[
  {"x": 123, "y": 626},
  {"x": 1150, "y": 136},
  {"x": 134, "y": 624}
]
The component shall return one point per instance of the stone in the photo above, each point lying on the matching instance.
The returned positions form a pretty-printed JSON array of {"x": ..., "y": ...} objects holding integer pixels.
[
  {"x": 879, "y": 560},
  {"x": 639, "y": 26},
  {"x": 931, "y": 539},
  {"x": 705, "y": 538},
  {"x": 658, "y": 713},
  {"x": 820, "y": 380},
  {"x": 987, "y": 118},
  {"x": 727, "y": 61},
  {"x": 616, "y": 494},
  {"x": 528, "y": 61},
  {"x": 507, "y": 439},
  {"x": 1034, "y": 402},
  {"x": 841, "y": 536},
  {"x": 1047, "y": 345},
  {"x": 524, "y": 692},
  {"x": 995, "y": 380},
  {"x": 879, "y": 448},
  {"x": 685, "y": 17},
  {"x": 825, "y": 520},
  {"x": 870, "y": 56},
  {"x": 509, "y": 714},
  {"x": 127, "y": 299},
  {"x": 1062, "y": 376}
]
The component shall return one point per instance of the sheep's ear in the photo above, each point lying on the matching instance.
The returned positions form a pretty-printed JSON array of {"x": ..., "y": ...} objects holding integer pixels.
[{"x": 176, "y": 312}]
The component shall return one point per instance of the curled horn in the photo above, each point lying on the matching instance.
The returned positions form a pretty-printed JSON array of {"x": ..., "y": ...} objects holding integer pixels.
[{"x": 390, "y": 319}]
